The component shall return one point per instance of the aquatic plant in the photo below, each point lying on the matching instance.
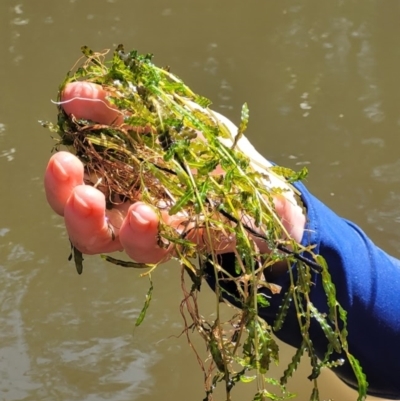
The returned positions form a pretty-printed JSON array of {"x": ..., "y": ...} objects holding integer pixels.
[{"x": 165, "y": 153}]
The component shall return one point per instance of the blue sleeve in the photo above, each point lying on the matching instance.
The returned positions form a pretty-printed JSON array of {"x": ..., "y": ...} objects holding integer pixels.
[{"x": 367, "y": 282}]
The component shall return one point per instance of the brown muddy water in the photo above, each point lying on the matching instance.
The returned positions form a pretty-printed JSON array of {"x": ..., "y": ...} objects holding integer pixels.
[{"x": 321, "y": 81}]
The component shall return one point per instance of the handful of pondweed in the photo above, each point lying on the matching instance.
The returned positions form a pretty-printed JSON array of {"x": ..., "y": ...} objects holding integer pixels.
[{"x": 167, "y": 153}]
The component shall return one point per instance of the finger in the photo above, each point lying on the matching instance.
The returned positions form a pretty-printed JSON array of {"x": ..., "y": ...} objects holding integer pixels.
[
  {"x": 139, "y": 235},
  {"x": 90, "y": 229},
  {"x": 63, "y": 173},
  {"x": 292, "y": 216},
  {"x": 89, "y": 101}
]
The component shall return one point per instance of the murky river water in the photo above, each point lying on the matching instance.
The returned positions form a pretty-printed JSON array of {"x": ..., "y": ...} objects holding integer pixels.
[{"x": 321, "y": 80}]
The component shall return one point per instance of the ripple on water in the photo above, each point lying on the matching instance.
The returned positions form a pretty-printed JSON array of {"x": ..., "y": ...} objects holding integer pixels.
[
  {"x": 15, "y": 366},
  {"x": 387, "y": 173}
]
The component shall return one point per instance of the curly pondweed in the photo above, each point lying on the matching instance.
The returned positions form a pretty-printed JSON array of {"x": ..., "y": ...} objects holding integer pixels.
[{"x": 166, "y": 153}]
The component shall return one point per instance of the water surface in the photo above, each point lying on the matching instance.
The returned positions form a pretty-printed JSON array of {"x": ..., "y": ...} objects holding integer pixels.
[{"x": 320, "y": 79}]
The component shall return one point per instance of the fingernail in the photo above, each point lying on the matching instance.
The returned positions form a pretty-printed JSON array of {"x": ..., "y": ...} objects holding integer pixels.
[
  {"x": 59, "y": 171},
  {"x": 81, "y": 206},
  {"x": 137, "y": 219}
]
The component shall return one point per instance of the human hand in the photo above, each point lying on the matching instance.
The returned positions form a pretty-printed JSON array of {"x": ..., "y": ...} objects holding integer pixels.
[{"x": 133, "y": 228}]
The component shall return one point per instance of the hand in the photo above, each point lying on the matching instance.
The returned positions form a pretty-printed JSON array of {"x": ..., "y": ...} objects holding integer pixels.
[{"x": 133, "y": 228}]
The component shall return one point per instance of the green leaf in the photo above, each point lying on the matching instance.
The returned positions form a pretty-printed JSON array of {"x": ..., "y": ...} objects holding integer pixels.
[
  {"x": 202, "y": 196},
  {"x": 290, "y": 175},
  {"x": 283, "y": 310},
  {"x": 207, "y": 167},
  {"x": 329, "y": 287},
  {"x": 361, "y": 378},
  {"x": 329, "y": 332},
  {"x": 293, "y": 365},
  {"x": 203, "y": 101},
  {"x": 228, "y": 177},
  {"x": 125, "y": 263},
  {"x": 142, "y": 314},
  {"x": 262, "y": 301},
  {"x": 78, "y": 259},
  {"x": 247, "y": 379},
  {"x": 183, "y": 201},
  {"x": 87, "y": 51},
  {"x": 244, "y": 119},
  {"x": 314, "y": 394},
  {"x": 216, "y": 354}
]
